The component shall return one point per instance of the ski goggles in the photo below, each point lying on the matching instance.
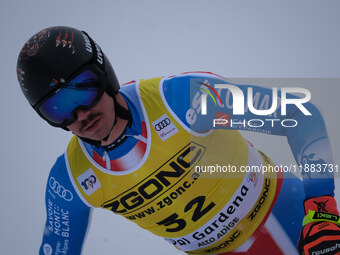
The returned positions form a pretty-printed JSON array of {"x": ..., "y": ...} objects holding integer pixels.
[{"x": 82, "y": 91}]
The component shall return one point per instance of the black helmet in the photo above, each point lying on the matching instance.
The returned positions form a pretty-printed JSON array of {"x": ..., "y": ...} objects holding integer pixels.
[{"x": 53, "y": 55}]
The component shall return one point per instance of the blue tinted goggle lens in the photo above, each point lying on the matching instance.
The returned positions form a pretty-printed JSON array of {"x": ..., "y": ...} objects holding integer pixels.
[{"x": 83, "y": 90}]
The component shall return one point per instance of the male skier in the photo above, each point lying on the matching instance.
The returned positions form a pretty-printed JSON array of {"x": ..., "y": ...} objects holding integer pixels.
[{"x": 142, "y": 150}]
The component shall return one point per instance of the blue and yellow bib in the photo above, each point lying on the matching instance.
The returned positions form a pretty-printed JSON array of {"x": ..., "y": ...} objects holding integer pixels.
[{"x": 166, "y": 194}]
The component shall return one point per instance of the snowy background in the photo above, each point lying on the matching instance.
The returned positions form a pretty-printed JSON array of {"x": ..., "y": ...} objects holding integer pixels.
[{"x": 145, "y": 39}]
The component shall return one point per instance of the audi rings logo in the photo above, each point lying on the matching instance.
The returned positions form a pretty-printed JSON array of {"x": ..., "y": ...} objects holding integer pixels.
[
  {"x": 164, "y": 127},
  {"x": 60, "y": 190},
  {"x": 162, "y": 124}
]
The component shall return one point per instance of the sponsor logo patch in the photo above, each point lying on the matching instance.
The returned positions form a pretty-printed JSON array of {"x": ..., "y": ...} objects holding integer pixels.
[
  {"x": 89, "y": 182},
  {"x": 164, "y": 127}
]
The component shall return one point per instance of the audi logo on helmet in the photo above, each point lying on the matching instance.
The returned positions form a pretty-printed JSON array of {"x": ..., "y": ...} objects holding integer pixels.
[
  {"x": 162, "y": 124},
  {"x": 60, "y": 190}
]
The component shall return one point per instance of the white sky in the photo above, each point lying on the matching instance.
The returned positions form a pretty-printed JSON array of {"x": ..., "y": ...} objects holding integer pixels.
[{"x": 145, "y": 39}]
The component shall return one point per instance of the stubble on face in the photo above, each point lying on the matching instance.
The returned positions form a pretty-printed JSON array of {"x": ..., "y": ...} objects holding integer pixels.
[
  {"x": 84, "y": 123},
  {"x": 97, "y": 122}
]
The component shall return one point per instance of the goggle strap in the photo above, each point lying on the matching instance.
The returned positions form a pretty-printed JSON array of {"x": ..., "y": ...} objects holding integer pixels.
[{"x": 95, "y": 52}]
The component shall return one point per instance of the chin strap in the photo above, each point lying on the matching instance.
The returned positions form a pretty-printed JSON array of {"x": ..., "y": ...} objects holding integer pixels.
[{"x": 120, "y": 112}]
